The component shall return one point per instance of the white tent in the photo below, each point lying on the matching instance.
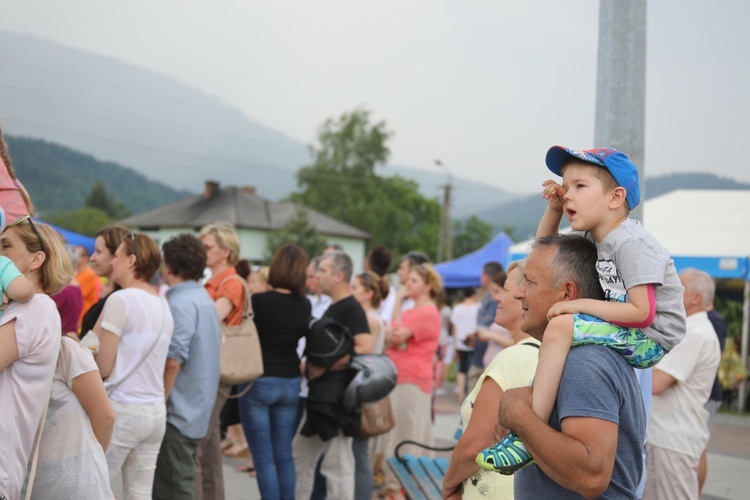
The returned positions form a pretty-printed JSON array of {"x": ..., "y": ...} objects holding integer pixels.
[{"x": 704, "y": 229}]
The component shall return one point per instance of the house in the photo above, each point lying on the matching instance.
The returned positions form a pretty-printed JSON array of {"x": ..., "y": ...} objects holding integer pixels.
[{"x": 253, "y": 216}]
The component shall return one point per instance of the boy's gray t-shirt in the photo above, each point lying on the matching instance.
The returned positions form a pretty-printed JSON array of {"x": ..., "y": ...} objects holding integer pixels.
[
  {"x": 597, "y": 383},
  {"x": 629, "y": 256}
]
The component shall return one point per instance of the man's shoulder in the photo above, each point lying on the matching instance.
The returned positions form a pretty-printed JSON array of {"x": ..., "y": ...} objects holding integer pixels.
[
  {"x": 348, "y": 312},
  {"x": 592, "y": 362}
]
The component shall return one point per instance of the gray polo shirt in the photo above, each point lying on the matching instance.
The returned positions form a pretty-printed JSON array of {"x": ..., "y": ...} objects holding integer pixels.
[{"x": 195, "y": 344}]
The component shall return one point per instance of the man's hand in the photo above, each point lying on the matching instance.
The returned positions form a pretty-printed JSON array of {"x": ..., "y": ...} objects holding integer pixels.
[
  {"x": 514, "y": 406},
  {"x": 314, "y": 371},
  {"x": 553, "y": 193},
  {"x": 564, "y": 307}
]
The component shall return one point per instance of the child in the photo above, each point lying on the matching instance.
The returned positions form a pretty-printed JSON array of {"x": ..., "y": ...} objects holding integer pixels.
[
  {"x": 643, "y": 316},
  {"x": 13, "y": 285}
]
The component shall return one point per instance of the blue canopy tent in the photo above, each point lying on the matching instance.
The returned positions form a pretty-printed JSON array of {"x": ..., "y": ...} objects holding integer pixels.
[
  {"x": 465, "y": 271},
  {"x": 702, "y": 229},
  {"x": 73, "y": 239}
]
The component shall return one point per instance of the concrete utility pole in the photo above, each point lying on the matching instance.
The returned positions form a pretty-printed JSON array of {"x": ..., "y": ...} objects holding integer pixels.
[
  {"x": 445, "y": 237},
  {"x": 621, "y": 82}
]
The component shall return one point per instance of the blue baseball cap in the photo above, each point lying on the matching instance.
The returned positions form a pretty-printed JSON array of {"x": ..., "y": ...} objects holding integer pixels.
[{"x": 616, "y": 162}]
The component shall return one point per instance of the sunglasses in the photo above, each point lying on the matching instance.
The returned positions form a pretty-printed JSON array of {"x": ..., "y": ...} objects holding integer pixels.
[
  {"x": 135, "y": 245},
  {"x": 27, "y": 218}
]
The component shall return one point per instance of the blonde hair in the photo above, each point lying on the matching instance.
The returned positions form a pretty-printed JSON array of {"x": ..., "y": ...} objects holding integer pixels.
[
  {"x": 56, "y": 271},
  {"x": 430, "y": 277},
  {"x": 226, "y": 237}
]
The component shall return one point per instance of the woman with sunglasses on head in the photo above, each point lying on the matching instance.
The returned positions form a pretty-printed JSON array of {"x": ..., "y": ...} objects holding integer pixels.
[
  {"x": 29, "y": 343},
  {"x": 134, "y": 330},
  {"x": 107, "y": 240}
]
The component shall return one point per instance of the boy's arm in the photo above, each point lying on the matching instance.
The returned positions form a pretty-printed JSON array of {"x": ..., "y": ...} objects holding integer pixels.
[
  {"x": 21, "y": 289},
  {"x": 638, "y": 312},
  {"x": 550, "y": 223}
]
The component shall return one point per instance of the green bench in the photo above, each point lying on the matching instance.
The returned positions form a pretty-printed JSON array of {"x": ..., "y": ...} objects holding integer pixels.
[{"x": 420, "y": 477}]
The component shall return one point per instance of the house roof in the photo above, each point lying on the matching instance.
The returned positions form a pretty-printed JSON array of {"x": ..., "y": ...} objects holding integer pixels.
[{"x": 240, "y": 206}]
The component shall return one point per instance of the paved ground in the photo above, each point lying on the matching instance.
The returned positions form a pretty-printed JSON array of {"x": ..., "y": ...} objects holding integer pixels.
[{"x": 728, "y": 458}]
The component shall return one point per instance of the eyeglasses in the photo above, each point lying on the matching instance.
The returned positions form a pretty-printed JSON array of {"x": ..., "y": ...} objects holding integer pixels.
[
  {"x": 27, "y": 218},
  {"x": 135, "y": 245}
]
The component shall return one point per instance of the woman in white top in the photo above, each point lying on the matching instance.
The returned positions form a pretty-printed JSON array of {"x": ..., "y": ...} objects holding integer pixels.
[
  {"x": 77, "y": 430},
  {"x": 29, "y": 344},
  {"x": 370, "y": 289},
  {"x": 134, "y": 330}
]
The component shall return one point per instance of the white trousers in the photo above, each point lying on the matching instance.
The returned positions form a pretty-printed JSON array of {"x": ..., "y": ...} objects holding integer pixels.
[
  {"x": 337, "y": 465},
  {"x": 135, "y": 444}
]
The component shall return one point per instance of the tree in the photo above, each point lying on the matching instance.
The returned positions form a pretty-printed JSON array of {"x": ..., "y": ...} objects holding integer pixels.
[
  {"x": 470, "y": 235},
  {"x": 86, "y": 220},
  {"x": 297, "y": 230},
  {"x": 98, "y": 198},
  {"x": 342, "y": 182}
]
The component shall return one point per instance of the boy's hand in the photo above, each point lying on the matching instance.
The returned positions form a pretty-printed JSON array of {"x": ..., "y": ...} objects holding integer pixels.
[
  {"x": 564, "y": 307},
  {"x": 553, "y": 193}
]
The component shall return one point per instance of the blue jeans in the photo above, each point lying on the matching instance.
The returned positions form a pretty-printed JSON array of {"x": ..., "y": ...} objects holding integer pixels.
[{"x": 268, "y": 413}]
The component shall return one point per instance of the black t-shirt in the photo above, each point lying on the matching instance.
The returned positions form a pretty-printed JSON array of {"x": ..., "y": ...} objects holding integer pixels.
[
  {"x": 281, "y": 320},
  {"x": 325, "y": 412},
  {"x": 92, "y": 315}
]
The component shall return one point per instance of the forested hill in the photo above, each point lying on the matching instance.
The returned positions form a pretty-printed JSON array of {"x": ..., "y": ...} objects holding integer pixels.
[{"x": 59, "y": 178}]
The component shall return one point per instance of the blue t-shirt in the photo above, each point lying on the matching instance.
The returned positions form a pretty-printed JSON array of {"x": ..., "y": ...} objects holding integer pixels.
[
  {"x": 195, "y": 344},
  {"x": 597, "y": 382}
]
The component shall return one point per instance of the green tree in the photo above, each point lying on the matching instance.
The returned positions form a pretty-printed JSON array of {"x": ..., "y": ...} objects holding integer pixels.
[
  {"x": 342, "y": 182},
  {"x": 298, "y": 230},
  {"x": 86, "y": 220},
  {"x": 470, "y": 235},
  {"x": 98, "y": 198}
]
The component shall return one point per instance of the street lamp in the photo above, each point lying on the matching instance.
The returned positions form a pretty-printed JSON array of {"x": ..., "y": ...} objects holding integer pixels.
[{"x": 445, "y": 243}]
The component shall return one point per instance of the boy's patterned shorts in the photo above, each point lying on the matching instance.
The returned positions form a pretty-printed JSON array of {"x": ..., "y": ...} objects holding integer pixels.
[{"x": 630, "y": 343}]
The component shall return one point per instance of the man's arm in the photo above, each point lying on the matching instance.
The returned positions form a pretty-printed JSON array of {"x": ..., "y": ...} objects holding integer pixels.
[
  {"x": 171, "y": 369},
  {"x": 581, "y": 458},
  {"x": 661, "y": 381}
]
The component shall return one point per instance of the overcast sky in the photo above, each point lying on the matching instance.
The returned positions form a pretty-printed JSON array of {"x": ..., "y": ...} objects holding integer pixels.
[{"x": 485, "y": 86}]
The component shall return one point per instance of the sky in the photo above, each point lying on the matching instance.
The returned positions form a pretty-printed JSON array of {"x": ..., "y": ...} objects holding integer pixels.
[{"x": 486, "y": 86}]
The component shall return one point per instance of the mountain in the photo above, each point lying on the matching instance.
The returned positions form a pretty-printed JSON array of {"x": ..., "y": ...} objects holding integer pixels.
[
  {"x": 162, "y": 128},
  {"x": 59, "y": 178},
  {"x": 523, "y": 214}
]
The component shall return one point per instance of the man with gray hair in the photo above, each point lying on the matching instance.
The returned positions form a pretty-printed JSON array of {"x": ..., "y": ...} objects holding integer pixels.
[
  {"x": 592, "y": 443},
  {"x": 682, "y": 382},
  {"x": 328, "y": 429}
]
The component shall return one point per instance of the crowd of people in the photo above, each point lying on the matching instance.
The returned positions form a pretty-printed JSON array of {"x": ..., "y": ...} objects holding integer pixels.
[{"x": 105, "y": 373}]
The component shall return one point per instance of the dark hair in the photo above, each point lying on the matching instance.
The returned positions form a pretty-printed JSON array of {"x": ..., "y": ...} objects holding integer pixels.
[
  {"x": 575, "y": 260},
  {"x": 288, "y": 269},
  {"x": 377, "y": 284},
  {"x": 113, "y": 236},
  {"x": 379, "y": 260},
  {"x": 243, "y": 268},
  {"x": 495, "y": 272},
  {"x": 84, "y": 251},
  {"x": 147, "y": 255},
  {"x": 415, "y": 258},
  {"x": 468, "y": 292},
  {"x": 185, "y": 256}
]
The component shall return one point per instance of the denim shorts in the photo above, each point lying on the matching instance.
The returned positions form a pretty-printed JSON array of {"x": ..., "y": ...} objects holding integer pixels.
[{"x": 630, "y": 343}]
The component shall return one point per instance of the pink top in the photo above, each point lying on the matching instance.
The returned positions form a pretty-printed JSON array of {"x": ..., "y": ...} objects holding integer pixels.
[
  {"x": 414, "y": 361},
  {"x": 25, "y": 385}
]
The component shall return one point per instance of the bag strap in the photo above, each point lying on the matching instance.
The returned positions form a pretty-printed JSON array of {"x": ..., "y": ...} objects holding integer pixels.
[
  {"x": 531, "y": 344},
  {"x": 35, "y": 459},
  {"x": 112, "y": 388},
  {"x": 247, "y": 311}
]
